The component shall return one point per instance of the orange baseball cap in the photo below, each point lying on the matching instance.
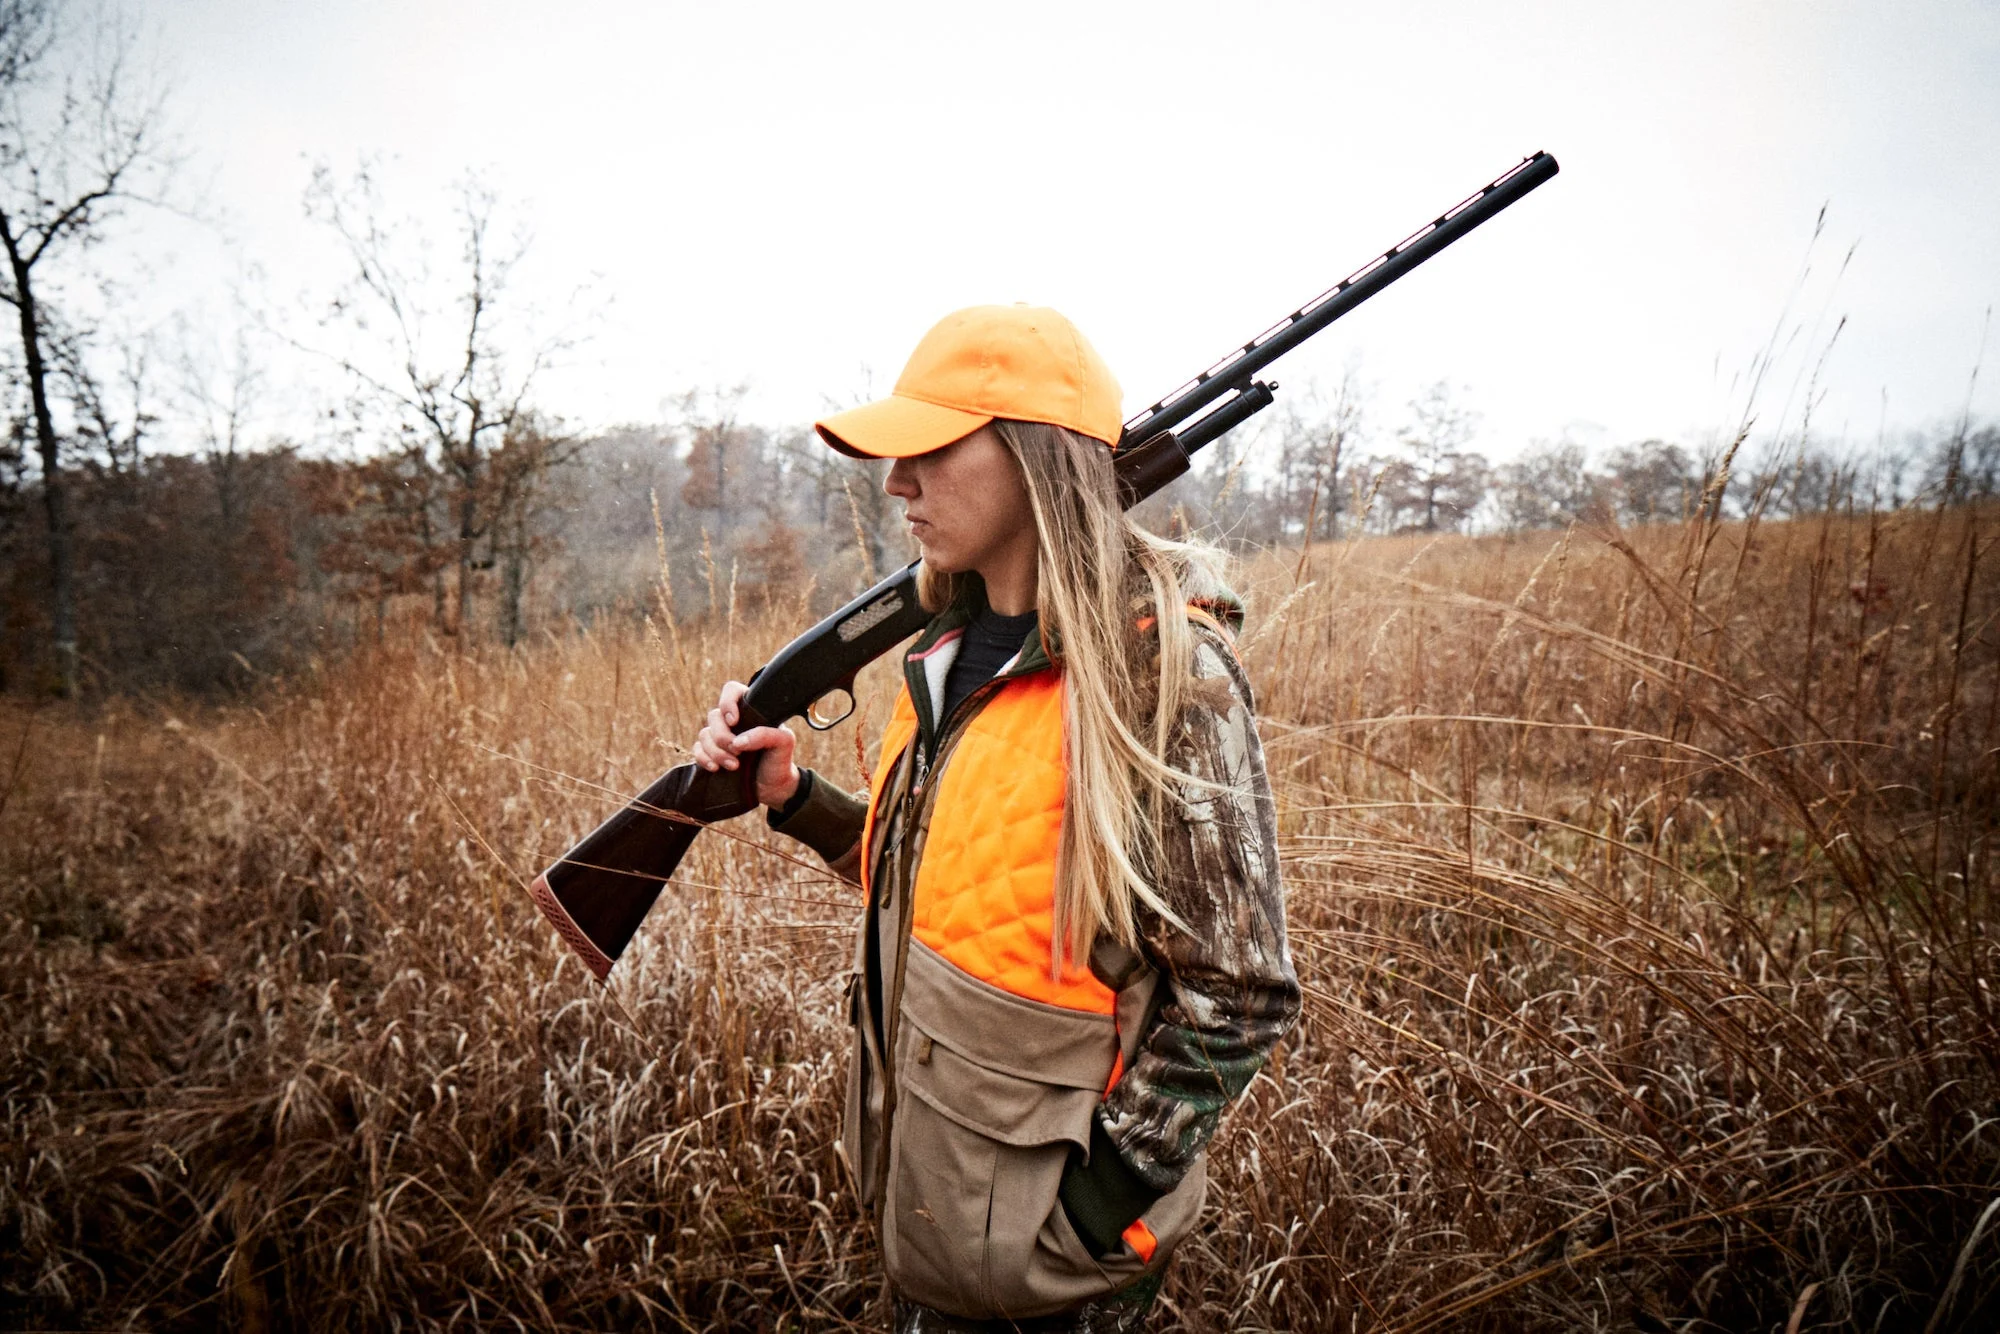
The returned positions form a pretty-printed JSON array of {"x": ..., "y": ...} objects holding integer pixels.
[{"x": 1024, "y": 362}]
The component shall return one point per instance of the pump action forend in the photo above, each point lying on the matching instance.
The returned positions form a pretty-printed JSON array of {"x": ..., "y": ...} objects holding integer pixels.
[{"x": 597, "y": 894}]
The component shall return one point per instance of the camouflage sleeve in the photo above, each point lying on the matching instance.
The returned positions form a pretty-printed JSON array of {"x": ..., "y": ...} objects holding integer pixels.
[
  {"x": 827, "y": 820},
  {"x": 1228, "y": 992}
]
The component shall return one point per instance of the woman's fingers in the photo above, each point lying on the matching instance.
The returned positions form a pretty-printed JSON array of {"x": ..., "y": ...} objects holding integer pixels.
[
  {"x": 717, "y": 745},
  {"x": 732, "y": 691},
  {"x": 717, "y": 729},
  {"x": 779, "y": 739},
  {"x": 777, "y": 776},
  {"x": 714, "y": 746}
]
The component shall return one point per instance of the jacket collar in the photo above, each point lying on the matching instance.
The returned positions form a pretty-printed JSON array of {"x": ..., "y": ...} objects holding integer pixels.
[
  {"x": 931, "y": 656},
  {"x": 935, "y": 648}
]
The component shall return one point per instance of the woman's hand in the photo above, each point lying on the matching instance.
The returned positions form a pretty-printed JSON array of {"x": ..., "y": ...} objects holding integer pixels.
[{"x": 718, "y": 747}]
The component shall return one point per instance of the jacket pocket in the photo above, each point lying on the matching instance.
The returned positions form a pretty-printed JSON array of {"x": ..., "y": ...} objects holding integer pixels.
[{"x": 993, "y": 1091}]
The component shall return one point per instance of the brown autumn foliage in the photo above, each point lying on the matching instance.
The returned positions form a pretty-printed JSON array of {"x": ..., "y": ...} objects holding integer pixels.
[
  {"x": 185, "y": 575},
  {"x": 1642, "y": 885}
]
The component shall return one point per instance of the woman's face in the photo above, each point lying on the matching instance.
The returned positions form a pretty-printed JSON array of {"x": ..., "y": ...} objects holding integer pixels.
[{"x": 967, "y": 505}]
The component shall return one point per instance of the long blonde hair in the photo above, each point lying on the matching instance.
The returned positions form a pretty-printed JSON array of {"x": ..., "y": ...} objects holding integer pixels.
[{"x": 1112, "y": 600}]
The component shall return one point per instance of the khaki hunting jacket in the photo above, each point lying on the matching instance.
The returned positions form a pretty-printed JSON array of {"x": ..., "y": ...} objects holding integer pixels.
[{"x": 1029, "y": 1146}]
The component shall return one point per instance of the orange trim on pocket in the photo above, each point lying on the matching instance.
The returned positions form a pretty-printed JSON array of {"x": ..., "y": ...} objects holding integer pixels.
[{"x": 1142, "y": 1241}]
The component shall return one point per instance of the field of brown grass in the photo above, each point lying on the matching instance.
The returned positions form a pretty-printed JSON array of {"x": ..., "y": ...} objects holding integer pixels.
[{"x": 1642, "y": 886}]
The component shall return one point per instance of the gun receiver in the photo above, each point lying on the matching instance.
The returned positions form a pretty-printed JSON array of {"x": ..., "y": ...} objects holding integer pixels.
[{"x": 599, "y": 892}]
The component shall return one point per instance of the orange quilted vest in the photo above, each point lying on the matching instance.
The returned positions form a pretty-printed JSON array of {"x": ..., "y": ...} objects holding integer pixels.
[{"x": 985, "y": 889}]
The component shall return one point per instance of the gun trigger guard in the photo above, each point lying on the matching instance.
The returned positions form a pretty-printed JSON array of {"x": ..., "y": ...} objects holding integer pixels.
[{"x": 821, "y": 714}]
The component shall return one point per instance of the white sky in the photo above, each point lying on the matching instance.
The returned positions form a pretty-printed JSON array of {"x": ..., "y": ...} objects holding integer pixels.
[{"x": 790, "y": 194}]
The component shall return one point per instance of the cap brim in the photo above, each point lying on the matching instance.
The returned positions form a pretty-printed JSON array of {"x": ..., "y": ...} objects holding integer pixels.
[{"x": 896, "y": 428}]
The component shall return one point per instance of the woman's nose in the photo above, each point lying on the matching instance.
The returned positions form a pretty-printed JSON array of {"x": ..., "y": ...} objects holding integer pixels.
[{"x": 901, "y": 481}]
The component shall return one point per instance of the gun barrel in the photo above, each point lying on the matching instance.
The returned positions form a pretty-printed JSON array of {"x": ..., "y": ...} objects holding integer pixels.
[{"x": 1234, "y": 372}]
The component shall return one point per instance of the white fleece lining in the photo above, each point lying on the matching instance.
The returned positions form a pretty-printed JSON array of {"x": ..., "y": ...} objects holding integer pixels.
[
  {"x": 937, "y": 666},
  {"x": 937, "y": 661}
]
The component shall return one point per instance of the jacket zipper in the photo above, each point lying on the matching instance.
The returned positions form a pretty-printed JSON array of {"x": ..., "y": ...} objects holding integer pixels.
[
  {"x": 916, "y": 804},
  {"x": 948, "y": 736}
]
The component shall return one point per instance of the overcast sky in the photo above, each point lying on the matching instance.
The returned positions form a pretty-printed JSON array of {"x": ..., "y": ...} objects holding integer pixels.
[{"x": 790, "y": 195}]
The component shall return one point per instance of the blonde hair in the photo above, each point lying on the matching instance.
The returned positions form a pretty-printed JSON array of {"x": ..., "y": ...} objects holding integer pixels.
[{"x": 1112, "y": 599}]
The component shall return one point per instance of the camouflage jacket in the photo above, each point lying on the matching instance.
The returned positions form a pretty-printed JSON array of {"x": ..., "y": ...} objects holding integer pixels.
[{"x": 1228, "y": 991}]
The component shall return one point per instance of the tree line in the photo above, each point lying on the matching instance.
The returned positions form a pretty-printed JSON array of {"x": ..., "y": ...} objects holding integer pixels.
[
  {"x": 216, "y": 567},
  {"x": 1335, "y": 465},
  {"x": 154, "y": 531}
]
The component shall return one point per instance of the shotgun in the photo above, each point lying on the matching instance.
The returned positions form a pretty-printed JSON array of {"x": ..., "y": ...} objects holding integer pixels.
[{"x": 600, "y": 890}]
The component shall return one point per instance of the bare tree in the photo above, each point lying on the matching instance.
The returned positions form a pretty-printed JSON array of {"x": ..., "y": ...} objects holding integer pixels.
[
  {"x": 1896, "y": 468},
  {"x": 217, "y": 397},
  {"x": 533, "y": 451},
  {"x": 723, "y": 456},
  {"x": 1654, "y": 480},
  {"x": 1811, "y": 480},
  {"x": 1550, "y": 486},
  {"x": 454, "y": 396},
  {"x": 77, "y": 141},
  {"x": 1317, "y": 437},
  {"x": 1965, "y": 464},
  {"x": 375, "y": 513},
  {"x": 1445, "y": 481},
  {"x": 112, "y": 418}
]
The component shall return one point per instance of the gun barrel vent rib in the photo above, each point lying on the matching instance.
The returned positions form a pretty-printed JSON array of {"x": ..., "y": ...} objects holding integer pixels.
[{"x": 1236, "y": 370}]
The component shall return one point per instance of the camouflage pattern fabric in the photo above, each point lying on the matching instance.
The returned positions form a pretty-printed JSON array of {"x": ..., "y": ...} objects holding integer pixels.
[{"x": 1230, "y": 990}]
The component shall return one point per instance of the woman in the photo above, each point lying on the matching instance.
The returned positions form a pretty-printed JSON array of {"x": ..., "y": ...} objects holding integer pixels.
[{"x": 1073, "y": 953}]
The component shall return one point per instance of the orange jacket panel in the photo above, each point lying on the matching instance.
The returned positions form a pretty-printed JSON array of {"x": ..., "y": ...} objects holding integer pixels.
[{"x": 985, "y": 890}]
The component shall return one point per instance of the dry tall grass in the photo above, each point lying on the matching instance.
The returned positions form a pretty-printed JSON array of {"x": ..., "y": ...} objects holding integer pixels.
[{"x": 1642, "y": 886}]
